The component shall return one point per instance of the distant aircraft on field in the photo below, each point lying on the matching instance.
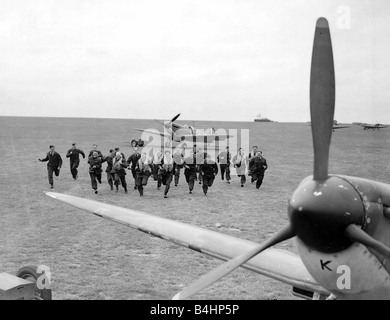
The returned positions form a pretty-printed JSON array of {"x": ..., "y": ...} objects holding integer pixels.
[
  {"x": 341, "y": 224},
  {"x": 375, "y": 126}
]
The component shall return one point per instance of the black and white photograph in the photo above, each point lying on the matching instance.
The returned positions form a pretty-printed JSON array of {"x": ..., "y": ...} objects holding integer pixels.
[{"x": 217, "y": 150}]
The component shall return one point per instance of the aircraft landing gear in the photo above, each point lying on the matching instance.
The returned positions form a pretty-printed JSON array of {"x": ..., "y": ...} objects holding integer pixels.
[
  {"x": 30, "y": 273},
  {"x": 137, "y": 143}
]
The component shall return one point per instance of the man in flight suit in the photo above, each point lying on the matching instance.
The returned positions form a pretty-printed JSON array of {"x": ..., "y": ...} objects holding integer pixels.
[
  {"x": 109, "y": 159},
  {"x": 224, "y": 164},
  {"x": 257, "y": 166},
  {"x": 54, "y": 164},
  {"x": 167, "y": 170},
  {"x": 208, "y": 169},
  {"x": 190, "y": 170},
  {"x": 132, "y": 162},
  {"x": 74, "y": 156}
]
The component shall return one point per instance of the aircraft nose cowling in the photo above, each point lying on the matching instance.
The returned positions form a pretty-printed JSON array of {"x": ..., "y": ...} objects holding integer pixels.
[{"x": 320, "y": 211}]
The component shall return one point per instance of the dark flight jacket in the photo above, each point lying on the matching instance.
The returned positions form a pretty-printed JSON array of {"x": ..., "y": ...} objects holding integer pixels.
[
  {"x": 119, "y": 168},
  {"x": 109, "y": 159},
  {"x": 95, "y": 165},
  {"x": 258, "y": 165},
  {"x": 55, "y": 160},
  {"x": 74, "y": 154},
  {"x": 208, "y": 169},
  {"x": 133, "y": 159}
]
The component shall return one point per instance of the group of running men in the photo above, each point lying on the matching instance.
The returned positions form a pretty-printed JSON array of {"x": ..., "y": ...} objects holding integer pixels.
[{"x": 163, "y": 167}]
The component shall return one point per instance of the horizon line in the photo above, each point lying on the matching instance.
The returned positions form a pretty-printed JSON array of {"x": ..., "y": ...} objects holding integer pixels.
[{"x": 28, "y": 116}]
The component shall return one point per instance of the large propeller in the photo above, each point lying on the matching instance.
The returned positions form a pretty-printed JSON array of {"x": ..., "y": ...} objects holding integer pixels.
[
  {"x": 318, "y": 206},
  {"x": 322, "y": 98},
  {"x": 168, "y": 123}
]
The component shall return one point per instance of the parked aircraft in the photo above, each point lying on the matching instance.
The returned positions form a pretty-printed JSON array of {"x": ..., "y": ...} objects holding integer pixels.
[
  {"x": 338, "y": 221},
  {"x": 375, "y": 126},
  {"x": 183, "y": 134}
]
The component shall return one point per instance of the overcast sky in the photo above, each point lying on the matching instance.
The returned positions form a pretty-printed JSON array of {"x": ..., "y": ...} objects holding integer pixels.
[{"x": 207, "y": 59}]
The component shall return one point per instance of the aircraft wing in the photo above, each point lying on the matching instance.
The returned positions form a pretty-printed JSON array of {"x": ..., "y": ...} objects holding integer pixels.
[
  {"x": 275, "y": 263},
  {"x": 176, "y": 126},
  {"x": 206, "y": 135},
  {"x": 340, "y": 127},
  {"x": 155, "y": 132}
]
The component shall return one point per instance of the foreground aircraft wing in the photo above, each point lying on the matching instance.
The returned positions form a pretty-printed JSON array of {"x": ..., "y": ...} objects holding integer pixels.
[
  {"x": 275, "y": 263},
  {"x": 155, "y": 132}
]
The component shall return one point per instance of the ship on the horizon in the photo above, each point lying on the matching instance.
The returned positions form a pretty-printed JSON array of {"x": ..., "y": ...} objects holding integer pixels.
[{"x": 259, "y": 118}]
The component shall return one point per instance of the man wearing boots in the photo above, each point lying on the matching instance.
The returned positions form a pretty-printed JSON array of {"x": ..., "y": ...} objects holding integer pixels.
[
  {"x": 74, "y": 156},
  {"x": 54, "y": 164},
  {"x": 95, "y": 170},
  {"x": 119, "y": 171},
  {"x": 143, "y": 172},
  {"x": 167, "y": 170},
  {"x": 110, "y": 159},
  {"x": 257, "y": 166},
  {"x": 156, "y": 166},
  {"x": 224, "y": 164},
  {"x": 132, "y": 162},
  {"x": 190, "y": 170},
  {"x": 208, "y": 169}
]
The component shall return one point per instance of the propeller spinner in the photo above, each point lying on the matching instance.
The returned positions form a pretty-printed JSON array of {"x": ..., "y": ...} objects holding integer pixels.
[{"x": 168, "y": 125}]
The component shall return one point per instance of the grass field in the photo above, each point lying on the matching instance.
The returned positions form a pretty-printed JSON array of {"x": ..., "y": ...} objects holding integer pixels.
[{"x": 92, "y": 258}]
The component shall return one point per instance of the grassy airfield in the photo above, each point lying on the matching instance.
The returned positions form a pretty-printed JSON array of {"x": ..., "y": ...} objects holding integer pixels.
[{"x": 92, "y": 258}]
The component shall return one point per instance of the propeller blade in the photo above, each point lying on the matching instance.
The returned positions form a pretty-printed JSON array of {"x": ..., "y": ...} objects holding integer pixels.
[
  {"x": 231, "y": 265},
  {"x": 175, "y": 117},
  {"x": 322, "y": 97},
  {"x": 355, "y": 233},
  {"x": 168, "y": 124}
]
